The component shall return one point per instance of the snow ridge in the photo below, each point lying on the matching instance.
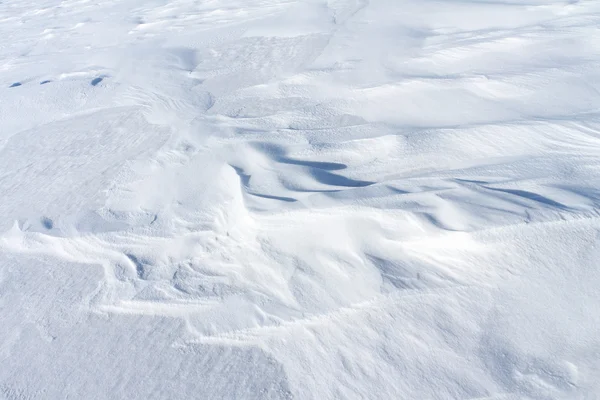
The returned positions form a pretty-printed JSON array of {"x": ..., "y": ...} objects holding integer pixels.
[{"x": 358, "y": 199}]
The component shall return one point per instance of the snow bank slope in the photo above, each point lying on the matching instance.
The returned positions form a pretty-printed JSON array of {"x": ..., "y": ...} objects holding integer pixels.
[{"x": 320, "y": 199}]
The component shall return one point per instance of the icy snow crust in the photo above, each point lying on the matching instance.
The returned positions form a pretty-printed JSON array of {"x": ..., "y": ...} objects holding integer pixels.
[{"x": 260, "y": 199}]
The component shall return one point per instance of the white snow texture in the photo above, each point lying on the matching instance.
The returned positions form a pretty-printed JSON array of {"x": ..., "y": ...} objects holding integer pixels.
[{"x": 299, "y": 199}]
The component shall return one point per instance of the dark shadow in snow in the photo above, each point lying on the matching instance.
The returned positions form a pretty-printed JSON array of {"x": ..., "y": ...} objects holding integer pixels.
[
  {"x": 302, "y": 190},
  {"x": 328, "y": 178},
  {"x": 280, "y": 198},
  {"x": 47, "y": 223},
  {"x": 328, "y": 166},
  {"x": 245, "y": 180},
  {"x": 472, "y": 181},
  {"x": 96, "y": 81},
  {"x": 16, "y": 84},
  {"x": 400, "y": 277},
  {"x": 530, "y": 196},
  {"x": 396, "y": 190},
  {"x": 407, "y": 275},
  {"x": 435, "y": 221},
  {"x": 278, "y": 154},
  {"x": 319, "y": 170},
  {"x": 139, "y": 266},
  {"x": 44, "y": 82}
]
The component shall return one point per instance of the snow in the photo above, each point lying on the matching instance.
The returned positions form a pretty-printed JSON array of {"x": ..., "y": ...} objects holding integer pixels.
[{"x": 316, "y": 199}]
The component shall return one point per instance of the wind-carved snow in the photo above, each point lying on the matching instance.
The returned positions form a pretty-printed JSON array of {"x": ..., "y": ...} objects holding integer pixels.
[{"x": 316, "y": 199}]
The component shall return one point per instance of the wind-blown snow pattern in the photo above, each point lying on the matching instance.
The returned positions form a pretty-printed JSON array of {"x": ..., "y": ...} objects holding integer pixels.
[{"x": 299, "y": 199}]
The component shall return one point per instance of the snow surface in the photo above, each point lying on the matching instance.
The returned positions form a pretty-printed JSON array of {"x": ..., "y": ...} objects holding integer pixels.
[{"x": 309, "y": 199}]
